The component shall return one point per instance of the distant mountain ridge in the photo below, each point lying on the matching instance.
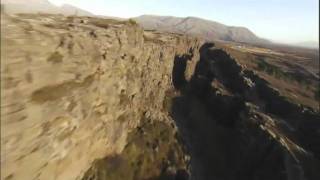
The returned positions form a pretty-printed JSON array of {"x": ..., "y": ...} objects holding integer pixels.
[
  {"x": 209, "y": 30},
  {"x": 41, "y": 6},
  {"x": 308, "y": 44},
  {"x": 193, "y": 26}
]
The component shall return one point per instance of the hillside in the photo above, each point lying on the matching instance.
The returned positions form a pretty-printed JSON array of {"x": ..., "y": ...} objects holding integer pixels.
[{"x": 209, "y": 30}]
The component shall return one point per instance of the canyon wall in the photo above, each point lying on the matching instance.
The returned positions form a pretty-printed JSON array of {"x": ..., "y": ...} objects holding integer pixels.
[
  {"x": 89, "y": 98},
  {"x": 73, "y": 88}
]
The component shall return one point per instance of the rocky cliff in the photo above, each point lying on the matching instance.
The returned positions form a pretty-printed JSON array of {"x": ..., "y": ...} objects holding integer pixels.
[
  {"x": 89, "y": 98},
  {"x": 73, "y": 88}
]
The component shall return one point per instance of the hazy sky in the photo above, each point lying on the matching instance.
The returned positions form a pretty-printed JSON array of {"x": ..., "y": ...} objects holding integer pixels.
[{"x": 286, "y": 21}]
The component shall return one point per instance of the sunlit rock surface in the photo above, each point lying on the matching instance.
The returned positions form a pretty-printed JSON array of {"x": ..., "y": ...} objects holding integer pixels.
[{"x": 72, "y": 89}]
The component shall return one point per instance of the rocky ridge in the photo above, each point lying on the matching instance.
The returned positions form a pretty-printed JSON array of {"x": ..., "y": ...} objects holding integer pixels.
[
  {"x": 90, "y": 98},
  {"x": 197, "y": 27}
]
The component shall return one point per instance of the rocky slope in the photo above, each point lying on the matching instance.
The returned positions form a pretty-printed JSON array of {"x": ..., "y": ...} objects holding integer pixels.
[{"x": 88, "y": 98}]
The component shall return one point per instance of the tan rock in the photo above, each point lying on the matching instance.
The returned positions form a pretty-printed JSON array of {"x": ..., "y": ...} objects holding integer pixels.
[{"x": 71, "y": 91}]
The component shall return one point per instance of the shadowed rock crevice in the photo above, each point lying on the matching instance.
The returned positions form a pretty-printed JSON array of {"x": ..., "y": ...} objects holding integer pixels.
[
  {"x": 223, "y": 132},
  {"x": 180, "y": 64},
  {"x": 305, "y": 120}
]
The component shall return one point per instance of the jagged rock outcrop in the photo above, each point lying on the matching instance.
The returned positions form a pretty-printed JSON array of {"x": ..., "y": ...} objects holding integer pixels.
[
  {"x": 88, "y": 98},
  {"x": 238, "y": 127}
]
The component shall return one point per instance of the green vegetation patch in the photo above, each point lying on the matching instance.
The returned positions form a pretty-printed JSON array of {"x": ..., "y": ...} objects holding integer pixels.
[
  {"x": 270, "y": 69},
  {"x": 132, "y": 22},
  {"x": 278, "y": 73},
  {"x": 152, "y": 152},
  {"x": 167, "y": 101}
]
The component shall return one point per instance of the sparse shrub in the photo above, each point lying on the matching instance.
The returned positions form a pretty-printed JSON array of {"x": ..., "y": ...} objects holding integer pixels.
[
  {"x": 132, "y": 22},
  {"x": 101, "y": 23},
  {"x": 70, "y": 19},
  {"x": 55, "y": 57}
]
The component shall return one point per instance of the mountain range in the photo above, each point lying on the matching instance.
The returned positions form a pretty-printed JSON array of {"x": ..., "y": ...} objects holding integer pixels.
[
  {"x": 41, "y": 6},
  {"x": 308, "y": 44},
  {"x": 209, "y": 30},
  {"x": 193, "y": 26}
]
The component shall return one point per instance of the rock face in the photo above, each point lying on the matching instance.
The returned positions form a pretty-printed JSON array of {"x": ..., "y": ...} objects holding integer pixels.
[
  {"x": 88, "y": 98},
  {"x": 73, "y": 88}
]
